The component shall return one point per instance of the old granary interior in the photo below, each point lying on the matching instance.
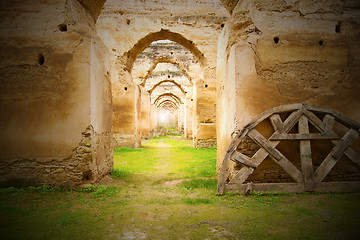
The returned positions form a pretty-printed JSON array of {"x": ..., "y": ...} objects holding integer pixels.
[
  {"x": 274, "y": 85},
  {"x": 258, "y": 95}
]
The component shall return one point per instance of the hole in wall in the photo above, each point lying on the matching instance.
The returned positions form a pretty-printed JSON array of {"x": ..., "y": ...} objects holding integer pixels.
[
  {"x": 87, "y": 176},
  {"x": 41, "y": 59},
  {"x": 321, "y": 42},
  {"x": 125, "y": 88},
  {"x": 128, "y": 21},
  {"x": 63, "y": 27},
  {"x": 338, "y": 27},
  {"x": 191, "y": 99},
  {"x": 222, "y": 25},
  {"x": 276, "y": 40},
  {"x": 168, "y": 76},
  {"x": 206, "y": 85},
  {"x": 171, "y": 53}
]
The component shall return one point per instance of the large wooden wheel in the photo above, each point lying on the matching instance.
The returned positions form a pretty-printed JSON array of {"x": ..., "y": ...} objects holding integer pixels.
[{"x": 283, "y": 119}]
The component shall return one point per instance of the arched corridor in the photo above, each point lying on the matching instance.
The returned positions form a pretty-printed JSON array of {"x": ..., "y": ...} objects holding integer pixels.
[
  {"x": 80, "y": 78},
  {"x": 84, "y": 84}
]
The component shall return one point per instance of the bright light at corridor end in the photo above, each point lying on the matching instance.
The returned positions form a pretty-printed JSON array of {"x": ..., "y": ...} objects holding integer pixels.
[{"x": 164, "y": 116}]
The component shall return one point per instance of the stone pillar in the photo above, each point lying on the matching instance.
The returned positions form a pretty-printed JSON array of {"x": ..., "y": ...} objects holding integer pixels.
[
  {"x": 153, "y": 117},
  {"x": 181, "y": 117},
  {"x": 137, "y": 116},
  {"x": 55, "y": 104},
  {"x": 205, "y": 112},
  {"x": 145, "y": 114},
  {"x": 188, "y": 115}
]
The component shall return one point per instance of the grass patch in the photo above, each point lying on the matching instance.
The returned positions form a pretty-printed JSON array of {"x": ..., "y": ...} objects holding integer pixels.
[
  {"x": 105, "y": 191},
  {"x": 120, "y": 173},
  {"x": 196, "y": 201},
  {"x": 168, "y": 188},
  {"x": 199, "y": 183}
]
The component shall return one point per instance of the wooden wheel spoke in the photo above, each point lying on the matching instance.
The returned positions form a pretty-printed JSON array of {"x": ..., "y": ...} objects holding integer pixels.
[
  {"x": 278, "y": 125},
  {"x": 307, "y": 179},
  {"x": 242, "y": 175},
  {"x": 276, "y": 155},
  {"x": 335, "y": 155},
  {"x": 241, "y": 158},
  {"x": 305, "y": 152}
]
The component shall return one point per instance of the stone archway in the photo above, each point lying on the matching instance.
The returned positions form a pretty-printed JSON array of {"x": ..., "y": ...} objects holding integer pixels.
[
  {"x": 168, "y": 60},
  {"x": 163, "y": 34},
  {"x": 167, "y": 81}
]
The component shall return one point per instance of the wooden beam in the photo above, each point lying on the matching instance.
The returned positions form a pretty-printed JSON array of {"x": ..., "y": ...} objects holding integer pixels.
[
  {"x": 292, "y": 119},
  {"x": 335, "y": 155},
  {"x": 224, "y": 169},
  {"x": 294, "y": 187},
  {"x": 277, "y": 123},
  {"x": 315, "y": 121},
  {"x": 328, "y": 122},
  {"x": 305, "y": 154},
  {"x": 242, "y": 175},
  {"x": 276, "y": 155},
  {"x": 241, "y": 158},
  {"x": 304, "y": 136}
]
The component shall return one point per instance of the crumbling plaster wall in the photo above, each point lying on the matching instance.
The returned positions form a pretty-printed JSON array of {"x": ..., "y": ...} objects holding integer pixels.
[
  {"x": 279, "y": 52},
  {"x": 55, "y": 95}
]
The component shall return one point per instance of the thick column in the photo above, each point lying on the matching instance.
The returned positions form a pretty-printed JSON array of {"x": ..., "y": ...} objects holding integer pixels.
[
  {"x": 188, "y": 115},
  {"x": 205, "y": 110},
  {"x": 145, "y": 114},
  {"x": 55, "y": 104}
]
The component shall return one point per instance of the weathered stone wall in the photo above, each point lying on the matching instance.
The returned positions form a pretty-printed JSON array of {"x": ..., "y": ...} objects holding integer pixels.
[
  {"x": 145, "y": 114},
  {"x": 275, "y": 53},
  {"x": 55, "y": 95}
]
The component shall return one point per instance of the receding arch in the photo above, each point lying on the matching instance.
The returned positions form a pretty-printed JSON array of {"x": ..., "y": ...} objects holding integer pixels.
[
  {"x": 165, "y": 81},
  {"x": 167, "y": 60},
  {"x": 163, "y": 34},
  {"x": 173, "y": 96},
  {"x": 168, "y": 103}
]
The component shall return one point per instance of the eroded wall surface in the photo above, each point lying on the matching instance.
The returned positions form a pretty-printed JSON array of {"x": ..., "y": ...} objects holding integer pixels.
[
  {"x": 280, "y": 52},
  {"x": 55, "y": 95}
]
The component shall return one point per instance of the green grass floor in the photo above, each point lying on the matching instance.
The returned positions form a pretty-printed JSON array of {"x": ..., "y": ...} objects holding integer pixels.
[{"x": 167, "y": 190}]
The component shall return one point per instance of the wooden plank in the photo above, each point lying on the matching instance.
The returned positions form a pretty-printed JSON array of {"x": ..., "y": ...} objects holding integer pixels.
[
  {"x": 277, "y": 123},
  {"x": 304, "y": 136},
  {"x": 294, "y": 187},
  {"x": 335, "y": 155},
  {"x": 258, "y": 157},
  {"x": 224, "y": 169},
  {"x": 288, "y": 108},
  {"x": 276, "y": 155},
  {"x": 241, "y": 158},
  {"x": 259, "y": 139},
  {"x": 317, "y": 108},
  {"x": 267, "y": 187},
  {"x": 305, "y": 154},
  {"x": 353, "y": 155},
  {"x": 328, "y": 122},
  {"x": 315, "y": 121},
  {"x": 345, "y": 120},
  {"x": 347, "y": 140},
  {"x": 261, "y": 154},
  {"x": 292, "y": 119},
  {"x": 241, "y": 175}
]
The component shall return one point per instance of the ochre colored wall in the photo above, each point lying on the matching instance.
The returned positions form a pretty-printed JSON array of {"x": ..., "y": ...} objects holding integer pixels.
[
  {"x": 55, "y": 95},
  {"x": 274, "y": 53}
]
